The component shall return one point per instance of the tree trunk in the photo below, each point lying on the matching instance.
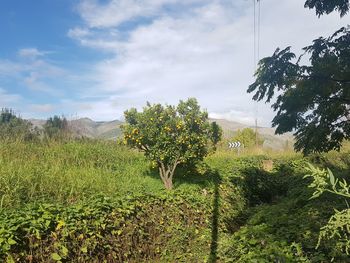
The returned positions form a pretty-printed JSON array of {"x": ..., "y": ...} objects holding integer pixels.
[
  {"x": 168, "y": 184},
  {"x": 166, "y": 173}
]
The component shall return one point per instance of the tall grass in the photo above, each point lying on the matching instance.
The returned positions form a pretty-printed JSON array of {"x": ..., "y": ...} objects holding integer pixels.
[{"x": 69, "y": 172}]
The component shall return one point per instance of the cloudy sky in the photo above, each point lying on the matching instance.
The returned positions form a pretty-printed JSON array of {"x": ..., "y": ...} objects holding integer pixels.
[{"x": 97, "y": 58}]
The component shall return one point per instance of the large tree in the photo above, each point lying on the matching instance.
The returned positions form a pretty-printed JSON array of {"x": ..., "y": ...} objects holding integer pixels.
[
  {"x": 311, "y": 99},
  {"x": 170, "y": 135}
]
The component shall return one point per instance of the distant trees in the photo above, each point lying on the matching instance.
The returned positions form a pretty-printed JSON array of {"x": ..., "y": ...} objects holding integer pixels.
[
  {"x": 56, "y": 128},
  {"x": 313, "y": 99},
  {"x": 13, "y": 127},
  {"x": 248, "y": 138},
  {"x": 170, "y": 136}
]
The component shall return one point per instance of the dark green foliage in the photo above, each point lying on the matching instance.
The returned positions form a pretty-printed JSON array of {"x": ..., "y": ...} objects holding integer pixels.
[
  {"x": 216, "y": 134},
  {"x": 13, "y": 127},
  {"x": 262, "y": 187},
  {"x": 328, "y": 6},
  {"x": 286, "y": 229},
  {"x": 7, "y": 115},
  {"x": 313, "y": 100},
  {"x": 56, "y": 128},
  {"x": 143, "y": 228}
]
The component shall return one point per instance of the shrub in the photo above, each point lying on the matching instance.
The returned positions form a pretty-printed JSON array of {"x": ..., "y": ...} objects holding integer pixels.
[
  {"x": 13, "y": 127},
  {"x": 170, "y": 136}
]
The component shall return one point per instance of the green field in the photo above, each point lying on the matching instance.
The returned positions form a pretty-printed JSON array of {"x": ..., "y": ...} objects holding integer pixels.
[{"x": 96, "y": 201}]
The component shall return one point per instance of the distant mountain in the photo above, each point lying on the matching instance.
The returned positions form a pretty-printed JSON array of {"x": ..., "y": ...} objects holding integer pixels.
[
  {"x": 111, "y": 130},
  {"x": 229, "y": 127},
  {"x": 86, "y": 127},
  {"x": 271, "y": 140}
]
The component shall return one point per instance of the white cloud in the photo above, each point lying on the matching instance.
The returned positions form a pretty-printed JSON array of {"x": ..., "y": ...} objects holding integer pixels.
[
  {"x": 31, "y": 53},
  {"x": 203, "y": 50},
  {"x": 115, "y": 12},
  {"x": 78, "y": 32},
  {"x": 33, "y": 70}
]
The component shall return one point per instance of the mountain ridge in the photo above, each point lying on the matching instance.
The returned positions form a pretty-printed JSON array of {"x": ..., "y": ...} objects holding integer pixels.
[{"x": 86, "y": 127}]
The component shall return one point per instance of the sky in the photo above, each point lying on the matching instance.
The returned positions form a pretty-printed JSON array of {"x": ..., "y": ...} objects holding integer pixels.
[{"x": 98, "y": 58}]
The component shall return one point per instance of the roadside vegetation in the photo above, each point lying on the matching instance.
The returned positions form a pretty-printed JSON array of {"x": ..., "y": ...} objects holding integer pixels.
[
  {"x": 86, "y": 200},
  {"x": 69, "y": 199}
]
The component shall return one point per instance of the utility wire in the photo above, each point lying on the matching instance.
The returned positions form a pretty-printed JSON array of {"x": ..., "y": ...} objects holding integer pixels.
[
  {"x": 259, "y": 8},
  {"x": 256, "y": 55}
]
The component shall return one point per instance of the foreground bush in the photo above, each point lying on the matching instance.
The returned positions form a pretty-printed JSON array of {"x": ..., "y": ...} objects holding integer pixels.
[
  {"x": 137, "y": 229},
  {"x": 268, "y": 217}
]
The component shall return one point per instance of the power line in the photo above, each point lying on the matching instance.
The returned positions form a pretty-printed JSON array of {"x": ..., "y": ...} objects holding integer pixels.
[
  {"x": 256, "y": 56},
  {"x": 254, "y": 4},
  {"x": 259, "y": 8}
]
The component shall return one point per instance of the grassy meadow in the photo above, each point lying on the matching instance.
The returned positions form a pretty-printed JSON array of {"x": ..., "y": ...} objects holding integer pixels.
[{"x": 97, "y": 201}]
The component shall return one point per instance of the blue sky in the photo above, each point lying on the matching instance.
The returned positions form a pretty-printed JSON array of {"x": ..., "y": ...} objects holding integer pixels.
[{"x": 90, "y": 58}]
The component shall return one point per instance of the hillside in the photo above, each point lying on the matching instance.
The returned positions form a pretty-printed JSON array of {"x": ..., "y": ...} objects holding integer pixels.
[
  {"x": 111, "y": 130},
  {"x": 85, "y": 127}
]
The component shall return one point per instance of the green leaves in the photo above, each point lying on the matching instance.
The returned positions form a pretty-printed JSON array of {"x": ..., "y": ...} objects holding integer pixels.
[
  {"x": 170, "y": 135},
  {"x": 13, "y": 127},
  {"x": 311, "y": 100},
  {"x": 247, "y": 137},
  {"x": 325, "y": 181},
  {"x": 327, "y": 7},
  {"x": 338, "y": 226},
  {"x": 57, "y": 128},
  {"x": 102, "y": 228},
  {"x": 56, "y": 257}
]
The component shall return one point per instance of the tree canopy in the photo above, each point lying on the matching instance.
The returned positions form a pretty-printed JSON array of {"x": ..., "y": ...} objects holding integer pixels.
[
  {"x": 248, "y": 137},
  {"x": 311, "y": 98},
  {"x": 56, "y": 127},
  {"x": 170, "y": 135},
  {"x": 328, "y": 6}
]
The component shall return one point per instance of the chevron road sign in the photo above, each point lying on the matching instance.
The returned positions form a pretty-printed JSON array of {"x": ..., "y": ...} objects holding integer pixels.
[{"x": 234, "y": 144}]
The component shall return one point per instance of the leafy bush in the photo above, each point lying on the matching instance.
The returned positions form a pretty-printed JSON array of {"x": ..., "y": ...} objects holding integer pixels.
[
  {"x": 89, "y": 201},
  {"x": 255, "y": 244},
  {"x": 284, "y": 230},
  {"x": 170, "y": 136},
  {"x": 338, "y": 226},
  {"x": 14, "y": 128},
  {"x": 139, "y": 228},
  {"x": 248, "y": 138}
]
